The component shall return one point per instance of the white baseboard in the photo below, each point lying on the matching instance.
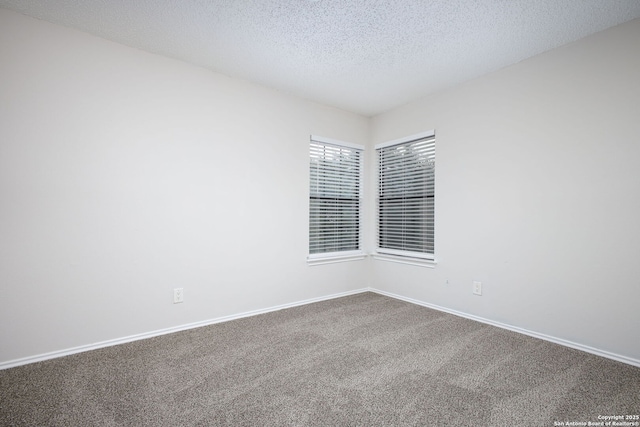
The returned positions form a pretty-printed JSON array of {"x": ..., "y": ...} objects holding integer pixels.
[
  {"x": 108, "y": 343},
  {"x": 577, "y": 346}
]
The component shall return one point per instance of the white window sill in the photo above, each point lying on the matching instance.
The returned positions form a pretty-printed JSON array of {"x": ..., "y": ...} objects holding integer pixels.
[
  {"x": 330, "y": 258},
  {"x": 421, "y": 262}
]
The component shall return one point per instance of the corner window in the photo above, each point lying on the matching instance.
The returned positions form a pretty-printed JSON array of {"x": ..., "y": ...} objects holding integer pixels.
[
  {"x": 406, "y": 197},
  {"x": 335, "y": 170}
]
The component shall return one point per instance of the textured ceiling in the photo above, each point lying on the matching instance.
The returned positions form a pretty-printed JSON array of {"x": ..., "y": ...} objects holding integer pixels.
[{"x": 366, "y": 56}]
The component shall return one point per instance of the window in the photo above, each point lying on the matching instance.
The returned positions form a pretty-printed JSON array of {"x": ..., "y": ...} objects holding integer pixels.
[
  {"x": 334, "y": 200},
  {"x": 406, "y": 197}
]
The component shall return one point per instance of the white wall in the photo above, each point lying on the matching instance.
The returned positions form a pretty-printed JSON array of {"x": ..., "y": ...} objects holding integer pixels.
[
  {"x": 124, "y": 174},
  {"x": 538, "y": 194}
]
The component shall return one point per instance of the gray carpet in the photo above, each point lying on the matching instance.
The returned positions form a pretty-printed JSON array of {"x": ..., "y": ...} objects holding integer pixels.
[{"x": 361, "y": 360}]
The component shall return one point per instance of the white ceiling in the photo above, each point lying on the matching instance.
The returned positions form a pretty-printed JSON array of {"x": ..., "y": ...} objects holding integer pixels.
[{"x": 366, "y": 56}]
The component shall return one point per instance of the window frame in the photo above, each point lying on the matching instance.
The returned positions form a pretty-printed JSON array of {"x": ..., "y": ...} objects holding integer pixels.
[
  {"x": 346, "y": 255},
  {"x": 403, "y": 256}
]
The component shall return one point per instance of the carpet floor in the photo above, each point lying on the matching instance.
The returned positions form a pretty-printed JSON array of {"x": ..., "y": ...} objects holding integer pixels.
[{"x": 361, "y": 360}]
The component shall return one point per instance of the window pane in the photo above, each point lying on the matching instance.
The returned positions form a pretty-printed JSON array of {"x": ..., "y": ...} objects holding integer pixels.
[
  {"x": 406, "y": 196},
  {"x": 334, "y": 198}
]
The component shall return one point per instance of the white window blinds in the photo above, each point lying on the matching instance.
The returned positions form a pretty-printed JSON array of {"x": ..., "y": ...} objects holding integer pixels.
[
  {"x": 334, "y": 197},
  {"x": 406, "y": 196}
]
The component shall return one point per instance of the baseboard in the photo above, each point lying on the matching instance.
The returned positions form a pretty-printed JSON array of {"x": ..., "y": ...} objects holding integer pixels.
[
  {"x": 566, "y": 343},
  {"x": 109, "y": 343},
  {"x": 117, "y": 341}
]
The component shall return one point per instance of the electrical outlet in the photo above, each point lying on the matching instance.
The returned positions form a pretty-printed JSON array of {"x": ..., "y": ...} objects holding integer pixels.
[
  {"x": 178, "y": 295},
  {"x": 477, "y": 288}
]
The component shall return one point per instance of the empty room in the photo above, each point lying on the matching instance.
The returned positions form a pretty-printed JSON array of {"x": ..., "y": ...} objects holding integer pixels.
[{"x": 320, "y": 213}]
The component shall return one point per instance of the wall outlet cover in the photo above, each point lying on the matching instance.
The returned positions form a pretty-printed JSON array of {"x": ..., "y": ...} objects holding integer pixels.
[
  {"x": 178, "y": 295},
  {"x": 477, "y": 288}
]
